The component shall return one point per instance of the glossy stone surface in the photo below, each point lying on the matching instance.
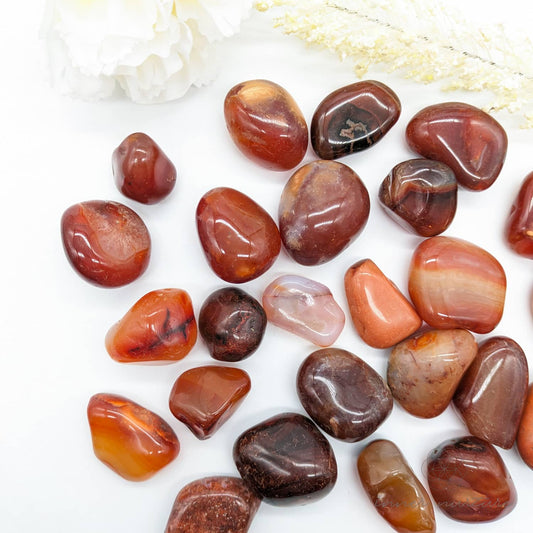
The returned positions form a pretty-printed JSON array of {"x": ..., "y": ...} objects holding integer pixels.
[
  {"x": 286, "y": 460},
  {"x": 142, "y": 170},
  {"x": 519, "y": 227},
  {"x": 353, "y": 118},
  {"x": 203, "y": 398},
  {"x": 107, "y": 243},
  {"x": 425, "y": 370},
  {"x": 239, "y": 238},
  {"x": 524, "y": 438},
  {"x": 443, "y": 268},
  {"x": 421, "y": 195},
  {"x": 266, "y": 124},
  {"x": 218, "y": 504},
  {"x": 380, "y": 312},
  {"x": 492, "y": 393},
  {"x": 464, "y": 137},
  {"x": 393, "y": 488},
  {"x": 324, "y": 206},
  {"x": 232, "y": 324},
  {"x": 468, "y": 480},
  {"x": 344, "y": 395},
  {"x": 131, "y": 440},
  {"x": 304, "y": 307},
  {"x": 159, "y": 327}
]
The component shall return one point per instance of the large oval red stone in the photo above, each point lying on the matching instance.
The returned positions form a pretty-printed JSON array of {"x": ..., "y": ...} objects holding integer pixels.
[
  {"x": 239, "y": 238},
  {"x": 107, "y": 243},
  {"x": 465, "y": 138}
]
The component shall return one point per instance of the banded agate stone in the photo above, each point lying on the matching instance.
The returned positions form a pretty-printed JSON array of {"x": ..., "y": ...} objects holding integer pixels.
[
  {"x": 464, "y": 137},
  {"x": 353, "y": 118},
  {"x": 524, "y": 438},
  {"x": 519, "y": 227}
]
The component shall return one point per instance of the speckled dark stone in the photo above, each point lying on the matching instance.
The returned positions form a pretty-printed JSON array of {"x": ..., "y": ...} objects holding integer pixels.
[
  {"x": 232, "y": 324},
  {"x": 286, "y": 460},
  {"x": 346, "y": 397}
]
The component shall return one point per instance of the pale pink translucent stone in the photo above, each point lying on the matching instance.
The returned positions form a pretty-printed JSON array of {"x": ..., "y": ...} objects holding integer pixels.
[{"x": 304, "y": 307}]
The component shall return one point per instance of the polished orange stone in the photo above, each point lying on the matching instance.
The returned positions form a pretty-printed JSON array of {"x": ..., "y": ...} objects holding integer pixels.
[
  {"x": 133, "y": 441},
  {"x": 203, "y": 398},
  {"x": 393, "y": 488},
  {"x": 239, "y": 238},
  {"x": 456, "y": 284},
  {"x": 159, "y": 327},
  {"x": 519, "y": 228},
  {"x": 266, "y": 124},
  {"x": 524, "y": 439},
  {"x": 380, "y": 312}
]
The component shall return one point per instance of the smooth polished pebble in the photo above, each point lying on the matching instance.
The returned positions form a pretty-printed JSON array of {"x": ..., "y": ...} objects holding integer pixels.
[
  {"x": 524, "y": 438},
  {"x": 469, "y": 481},
  {"x": 353, "y": 118},
  {"x": 286, "y": 460},
  {"x": 304, "y": 307},
  {"x": 425, "y": 370},
  {"x": 519, "y": 227},
  {"x": 492, "y": 394},
  {"x": 203, "y": 398},
  {"x": 159, "y": 327},
  {"x": 468, "y": 140},
  {"x": 232, "y": 324},
  {"x": 107, "y": 243},
  {"x": 344, "y": 395},
  {"x": 239, "y": 238},
  {"x": 142, "y": 171},
  {"x": 421, "y": 195},
  {"x": 393, "y": 488},
  {"x": 217, "y": 504},
  {"x": 131, "y": 440},
  {"x": 381, "y": 314},
  {"x": 323, "y": 208},
  {"x": 266, "y": 124},
  {"x": 443, "y": 268}
]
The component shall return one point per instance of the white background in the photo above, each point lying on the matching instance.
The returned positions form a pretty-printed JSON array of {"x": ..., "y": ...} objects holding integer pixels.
[{"x": 56, "y": 152}]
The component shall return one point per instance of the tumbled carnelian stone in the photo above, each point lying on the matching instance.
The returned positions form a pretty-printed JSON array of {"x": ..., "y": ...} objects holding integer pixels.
[
  {"x": 203, "y": 398},
  {"x": 142, "y": 171},
  {"x": 524, "y": 439},
  {"x": 133, "y": 441},
  {"x": 107, "y": 243},
  {"x": 519, "y": 229},
  {"x": 159, "y": 327},
  {"x": 239, "y": 238},
  {"x": 266, "y": 124}
]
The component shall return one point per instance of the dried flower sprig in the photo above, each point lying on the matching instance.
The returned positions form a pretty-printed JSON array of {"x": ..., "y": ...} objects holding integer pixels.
[{"x": 422, "y": 40}]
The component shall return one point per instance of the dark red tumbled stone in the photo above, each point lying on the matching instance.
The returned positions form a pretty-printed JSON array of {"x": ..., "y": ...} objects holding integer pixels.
[
  {"x": 468, "y": 480},
  {"x": 107, "y": 243},
  {"x": 345, "y": 396},
  {"x": 142, "y": 170},
  {"x": 323, "y": 208},
  {"x": 218, "y": 504},
  {"x": 464, "y": 137},
  {"x": 519, "y": 229},
  {"x": 353, "y": 118},
  {"x": 286, "y": 460},
  {"x": 421, "y": 195},
  {"x": 232, "y": 324}
]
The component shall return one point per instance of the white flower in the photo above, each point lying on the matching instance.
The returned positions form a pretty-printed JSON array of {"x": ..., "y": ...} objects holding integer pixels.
[{"x": 153, "y": 49}]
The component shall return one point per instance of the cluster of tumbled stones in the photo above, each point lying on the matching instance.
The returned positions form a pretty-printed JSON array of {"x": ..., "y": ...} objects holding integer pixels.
[{"x": 455, "y": 287}]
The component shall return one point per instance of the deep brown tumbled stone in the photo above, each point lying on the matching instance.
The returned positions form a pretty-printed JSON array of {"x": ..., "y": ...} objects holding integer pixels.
[
  {"x": 421, "y": 195},
  {"x": 468, "y": 140},
  {"x": 218, "y": 504},
  {"x": 232, "y": 324},
  {"x": 323, "y": 208},
  {"x": 492, "y": 393},
  {"x": 353, "y": 118},
  {"x": 468, "y": 480},
  {"x": 344, "y": 395},
  {"x": 286, "y": 460}
]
